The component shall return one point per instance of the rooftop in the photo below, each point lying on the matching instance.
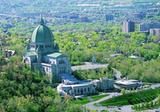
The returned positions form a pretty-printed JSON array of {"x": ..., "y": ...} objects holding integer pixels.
[
  {"x": 89, "y": 66},
  {"x": 126, "y": 82},
  {"x": 31, "y": 53},
  {"x": 55, "y": 55},
  {"x": 68, "y": 79},
  {"x": 81, "y": 84}
]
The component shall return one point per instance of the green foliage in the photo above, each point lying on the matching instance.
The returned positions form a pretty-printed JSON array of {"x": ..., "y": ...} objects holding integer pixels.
[
  {"x": 147, "y": 105},
  {"x": 23, "y": 90},
  {"x": 86, "y": 100},
  {"x": 123, "y": 91},
  {"x": 80, "y": 43},
  {"x": 81, "y": 101},
  {"x": 132, "y": 98},
  {"x": 147, "y": 71},
  {"x": 97, "y": 97},
  {"x": 22, "y": 104},
  {"x": 93, "y": 74},
  {"x": 81, "y": 46}
]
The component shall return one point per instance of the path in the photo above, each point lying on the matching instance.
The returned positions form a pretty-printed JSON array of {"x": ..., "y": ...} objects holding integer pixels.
[
  {"x": 98, "y": 107},
  {"x": 117, "y": 73},
  {"x": 95, "y": 105}
]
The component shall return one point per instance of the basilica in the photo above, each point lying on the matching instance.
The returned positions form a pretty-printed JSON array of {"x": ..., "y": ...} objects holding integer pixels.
[{"x": 43, "y": 54}]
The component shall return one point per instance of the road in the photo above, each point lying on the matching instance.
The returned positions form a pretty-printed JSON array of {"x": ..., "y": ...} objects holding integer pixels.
[
  {"x": 153, "y": 86},
  {"x": 10, "y": 15},
  {"x": 89, "y": 66}
]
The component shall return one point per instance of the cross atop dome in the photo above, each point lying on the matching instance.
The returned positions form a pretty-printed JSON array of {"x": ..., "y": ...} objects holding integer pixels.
[{"x": 42, "y": 21}]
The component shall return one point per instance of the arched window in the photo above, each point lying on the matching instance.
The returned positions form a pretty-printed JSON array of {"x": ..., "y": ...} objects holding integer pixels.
[
  {"x": 32, "y": 46},
  {"x": 84, "y": 89},
  {"x": 81, "y": 90},
  {"x": 88, "y": 89},
  {"x": 41, "y": 46},
  {"x": 26, "y": 60}
]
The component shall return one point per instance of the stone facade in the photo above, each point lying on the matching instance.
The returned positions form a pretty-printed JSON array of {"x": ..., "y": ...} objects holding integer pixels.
[
  {"x": 127, "y": 84},
  {"x": 43, "y": 54},
  {"x": 82, "y": 88},
  {"x": 105, "y": 84},
  {"x": 79, "y": 89}
]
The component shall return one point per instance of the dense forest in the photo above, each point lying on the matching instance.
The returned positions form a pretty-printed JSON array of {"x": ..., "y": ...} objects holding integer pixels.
[{"x": 23, "y": 90}]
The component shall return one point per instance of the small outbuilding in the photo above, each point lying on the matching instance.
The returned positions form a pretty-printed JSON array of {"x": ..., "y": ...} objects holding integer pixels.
[{"x": 127, "y": 84}]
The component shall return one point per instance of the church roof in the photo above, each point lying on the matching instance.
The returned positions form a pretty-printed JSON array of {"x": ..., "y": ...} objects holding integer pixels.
[
  {"x": 31, "y": 53},
  {"x": 55, "y": 55},
  {"x": 42, "y": 34}
]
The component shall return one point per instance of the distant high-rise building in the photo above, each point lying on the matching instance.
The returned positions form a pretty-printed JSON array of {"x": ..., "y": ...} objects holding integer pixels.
[
  {"x": 128, "y": 26},
  {"x": 109, "y": 17},
  {"x": 85, "y": 19},
  {"x": 155, "y": 31},
  {"x": 139, "y": 15},
  {"x": 145, "y": 27}
]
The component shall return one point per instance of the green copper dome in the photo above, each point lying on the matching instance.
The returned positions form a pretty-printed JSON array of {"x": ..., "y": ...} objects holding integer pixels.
[{"x": 42, "y": 34}]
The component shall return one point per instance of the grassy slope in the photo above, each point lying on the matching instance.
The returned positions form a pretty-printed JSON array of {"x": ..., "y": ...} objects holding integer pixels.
[
  {"x": 86, "y": 99},
  {"x": 133, "y": 98}
]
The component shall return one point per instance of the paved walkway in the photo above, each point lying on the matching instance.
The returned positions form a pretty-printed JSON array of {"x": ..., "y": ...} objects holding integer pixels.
[
  {"x": 96, "y": 106},
  {"x": 117, "y": 73}
]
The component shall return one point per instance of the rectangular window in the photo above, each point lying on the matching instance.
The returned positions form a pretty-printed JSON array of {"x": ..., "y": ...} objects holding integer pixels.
[
  {"x": 47, "y": 46},
  {"x": 47, "y": 69},
  {"x": 41, "y": 46}
]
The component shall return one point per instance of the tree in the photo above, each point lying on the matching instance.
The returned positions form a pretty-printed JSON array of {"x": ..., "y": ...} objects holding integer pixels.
[
  {"x": 22, "y": 104},
  {"x": 123, "y": 91}
]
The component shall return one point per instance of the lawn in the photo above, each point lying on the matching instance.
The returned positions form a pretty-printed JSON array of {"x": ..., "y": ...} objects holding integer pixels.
[
  {"x": 81, "y": 101},
  {"x": 97, "y": 97},
  {"x": 85, "y": 100},
  {"x": 132, "y": 98}
]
